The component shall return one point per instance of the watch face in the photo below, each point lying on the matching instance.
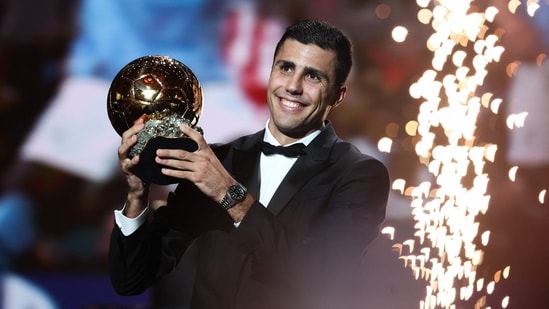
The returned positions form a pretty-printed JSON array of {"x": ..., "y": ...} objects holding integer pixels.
[{"x": 237, "y": 192}]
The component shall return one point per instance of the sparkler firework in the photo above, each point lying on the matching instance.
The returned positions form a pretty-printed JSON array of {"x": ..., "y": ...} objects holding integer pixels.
[{"x": 448, "y": 244}]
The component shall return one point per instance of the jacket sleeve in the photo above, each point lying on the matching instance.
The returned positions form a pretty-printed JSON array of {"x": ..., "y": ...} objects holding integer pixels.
[{"x": 139, "y": 260}]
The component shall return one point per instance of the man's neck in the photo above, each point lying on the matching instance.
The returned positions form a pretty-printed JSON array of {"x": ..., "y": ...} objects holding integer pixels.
[
  {"x": 286, "y": 140},
  {"x": 279, "y": 138}
]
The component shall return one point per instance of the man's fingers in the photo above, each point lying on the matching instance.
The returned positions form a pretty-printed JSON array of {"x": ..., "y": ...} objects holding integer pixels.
[
  {"x": 129, "y": 139},
  {"x": 194, "y": 135},
  {"x": 138, "y": 126}
]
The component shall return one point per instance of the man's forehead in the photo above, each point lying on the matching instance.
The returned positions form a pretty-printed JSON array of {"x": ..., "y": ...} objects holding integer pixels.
[{"x": 306, "y": 55}]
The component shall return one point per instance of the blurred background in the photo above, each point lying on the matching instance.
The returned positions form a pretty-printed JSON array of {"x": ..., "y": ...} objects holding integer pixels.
[{"x": 58, "y": 164}]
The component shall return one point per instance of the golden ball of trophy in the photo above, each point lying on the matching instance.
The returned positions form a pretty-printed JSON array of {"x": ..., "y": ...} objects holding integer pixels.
[{"x": 166, "y": 94}]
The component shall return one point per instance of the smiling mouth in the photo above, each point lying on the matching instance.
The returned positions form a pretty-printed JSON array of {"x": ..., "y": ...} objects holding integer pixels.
[{"x": 291, "y": 105}]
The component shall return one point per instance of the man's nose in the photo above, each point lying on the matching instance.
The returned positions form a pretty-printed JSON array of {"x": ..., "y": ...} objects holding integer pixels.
[{"x": 295, "y": 85}]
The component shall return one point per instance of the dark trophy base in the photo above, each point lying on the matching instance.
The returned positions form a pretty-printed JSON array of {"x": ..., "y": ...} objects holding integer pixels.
[{"x": 148, "y": 170}]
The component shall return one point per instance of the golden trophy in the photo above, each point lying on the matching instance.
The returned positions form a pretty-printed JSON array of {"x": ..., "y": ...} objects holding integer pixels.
[{"x": 166, "y": 94}]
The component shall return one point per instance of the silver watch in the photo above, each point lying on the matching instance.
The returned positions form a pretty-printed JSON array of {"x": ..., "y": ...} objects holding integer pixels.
[{"x": 235, "y": 194}]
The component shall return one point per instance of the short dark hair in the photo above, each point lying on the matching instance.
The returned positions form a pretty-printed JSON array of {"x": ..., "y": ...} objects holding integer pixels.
[{"x": 325, "y": 36}]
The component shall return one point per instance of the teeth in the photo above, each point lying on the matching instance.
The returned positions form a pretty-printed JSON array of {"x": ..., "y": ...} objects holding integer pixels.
[{"x": 290, "y": 104}]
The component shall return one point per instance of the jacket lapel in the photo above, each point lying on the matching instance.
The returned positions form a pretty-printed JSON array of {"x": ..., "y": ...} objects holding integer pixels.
[
  {"x": 246, "y": 160},
  {"x": 304, "y": 169}
]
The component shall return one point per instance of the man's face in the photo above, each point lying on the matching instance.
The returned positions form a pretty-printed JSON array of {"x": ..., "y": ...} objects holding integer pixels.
[{"x": 301, "y": 90}]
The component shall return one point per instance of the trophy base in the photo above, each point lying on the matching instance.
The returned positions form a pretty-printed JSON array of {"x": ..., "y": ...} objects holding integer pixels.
[{"x": 148, "y": 170}]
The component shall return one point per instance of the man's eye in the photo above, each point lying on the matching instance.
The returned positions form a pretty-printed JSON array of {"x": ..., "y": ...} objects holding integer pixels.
[
  {"x": 313, "y": 77},
  {"x": 285, "y": 68}
]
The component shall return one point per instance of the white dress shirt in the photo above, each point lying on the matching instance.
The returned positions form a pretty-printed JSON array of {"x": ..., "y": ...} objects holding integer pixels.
[{"x": 273, "y": 168}]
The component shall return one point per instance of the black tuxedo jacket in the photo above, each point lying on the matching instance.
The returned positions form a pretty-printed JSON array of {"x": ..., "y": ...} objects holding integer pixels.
[{"x": 302, "y": 250}]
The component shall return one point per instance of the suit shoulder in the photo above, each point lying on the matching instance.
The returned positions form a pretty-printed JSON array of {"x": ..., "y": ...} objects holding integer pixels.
[
  {"x": 346, "y": 148},
  {"x": 350, "y": 155},
  {"x": 361, "y": 148}
]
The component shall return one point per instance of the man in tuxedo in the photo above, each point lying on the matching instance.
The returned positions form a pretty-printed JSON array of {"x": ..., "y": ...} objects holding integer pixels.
[{"x": 252, "y": 227}]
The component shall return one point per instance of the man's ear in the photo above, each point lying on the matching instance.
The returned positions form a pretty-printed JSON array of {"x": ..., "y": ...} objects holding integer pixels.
[{"x": 340, "y": 96}]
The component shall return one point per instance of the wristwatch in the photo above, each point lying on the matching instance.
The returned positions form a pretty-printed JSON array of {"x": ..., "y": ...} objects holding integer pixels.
[{"x": 235, "y": 194}]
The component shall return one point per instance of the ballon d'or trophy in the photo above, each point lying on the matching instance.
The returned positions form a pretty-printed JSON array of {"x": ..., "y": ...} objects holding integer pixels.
[{"x": 165, "y": 93}]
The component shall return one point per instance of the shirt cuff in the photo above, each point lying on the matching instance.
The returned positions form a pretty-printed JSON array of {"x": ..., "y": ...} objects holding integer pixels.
[{"x": 129, "y": 225}]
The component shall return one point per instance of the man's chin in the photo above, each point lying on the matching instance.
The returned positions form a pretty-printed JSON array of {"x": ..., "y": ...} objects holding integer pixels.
[{"x": 294, "y": 132}]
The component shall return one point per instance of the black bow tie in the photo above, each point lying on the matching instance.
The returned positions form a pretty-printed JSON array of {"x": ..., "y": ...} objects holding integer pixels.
[{"x": 292, "y": 151}]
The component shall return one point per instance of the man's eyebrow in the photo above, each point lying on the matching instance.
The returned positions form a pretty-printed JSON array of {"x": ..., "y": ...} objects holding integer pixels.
[{"x": 285, "y": 62}]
